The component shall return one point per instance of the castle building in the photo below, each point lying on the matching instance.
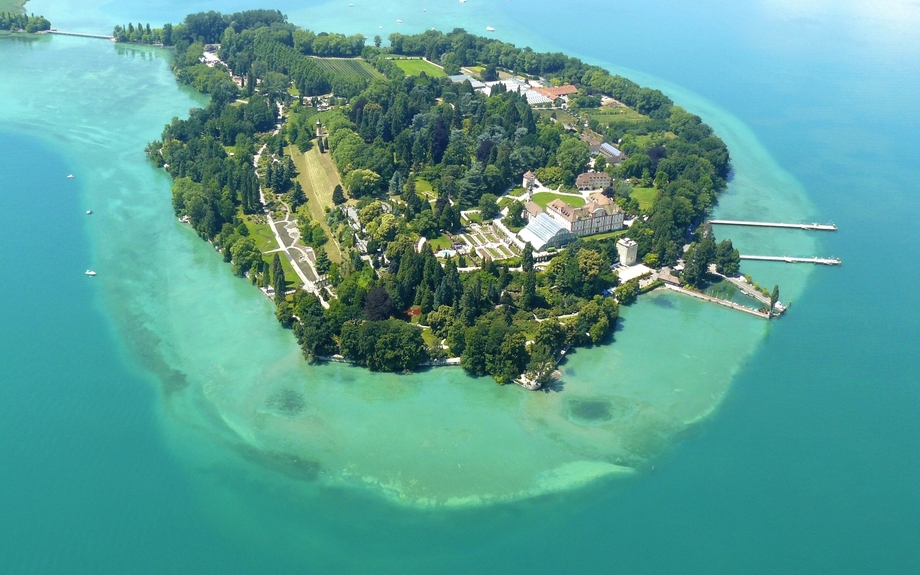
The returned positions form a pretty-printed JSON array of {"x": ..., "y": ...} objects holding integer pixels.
[
  {"x": 599, "y": 215},
  {"x": 592, "y": 181}
]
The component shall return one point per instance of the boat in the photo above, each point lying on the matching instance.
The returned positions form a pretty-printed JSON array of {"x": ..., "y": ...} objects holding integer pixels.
[
  {"x": 490, "y": 29},
  {"x": 399, "y": 21},
  {"x": 89, "y": 212},
  {"x": 70, "y": 176},
  {"x": 90, "y": 273}
]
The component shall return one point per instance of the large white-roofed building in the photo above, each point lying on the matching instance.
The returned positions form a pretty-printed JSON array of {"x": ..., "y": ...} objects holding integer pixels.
[{"x": 544, "y": 232}]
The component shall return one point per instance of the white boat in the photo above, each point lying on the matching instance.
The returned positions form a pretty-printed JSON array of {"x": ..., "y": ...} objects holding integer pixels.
[
  {"x": 399, "y": 21},
  {"x": 490, "y": 29},
  {"x": 89, "y": 212},
  {"x": 70, "y": 176},
  {"x": 90, "y": 273}
]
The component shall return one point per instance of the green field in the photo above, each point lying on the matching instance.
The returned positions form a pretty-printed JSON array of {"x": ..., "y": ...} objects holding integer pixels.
[
  {"x": 412, "y": 67},
  {"x": 349, "y": 67},
  {"x": 544, "y": 198},
  {"x": 620, "y": 115},
  {"x": 318, "y": 177},
  {"x": 645, "y": 197},
  {"x": 441, "y": 242},
  {"x": 265, "y": 241}
]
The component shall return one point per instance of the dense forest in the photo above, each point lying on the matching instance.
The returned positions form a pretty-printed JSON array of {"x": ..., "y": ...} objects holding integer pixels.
[
  {"x": 396, "y": 306},
  {"x": 15, "y": 21}
]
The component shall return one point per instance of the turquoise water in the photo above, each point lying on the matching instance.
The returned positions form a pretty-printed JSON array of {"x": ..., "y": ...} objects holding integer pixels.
[{"x": 138, "y": 433}]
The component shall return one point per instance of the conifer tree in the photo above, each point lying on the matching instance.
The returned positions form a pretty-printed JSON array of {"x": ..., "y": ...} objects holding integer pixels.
[
  {"x": 322, "y": 261},
  {"x": 527, "y": 258},
  {"x": 338, "y": 196}
]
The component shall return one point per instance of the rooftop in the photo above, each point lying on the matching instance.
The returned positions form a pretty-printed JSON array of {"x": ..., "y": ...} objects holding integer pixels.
[
  {"x": 558, "y": 91},
  {"x": 540, "y": 230}
]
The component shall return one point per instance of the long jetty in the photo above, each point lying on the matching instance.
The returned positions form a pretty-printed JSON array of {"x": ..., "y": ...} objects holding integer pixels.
[
  {"x": 721, "y": 302},
  {"x": 80, "y": 34},
  {"x": 810, "y": 227},
  {"x": 791, "y": 260}
]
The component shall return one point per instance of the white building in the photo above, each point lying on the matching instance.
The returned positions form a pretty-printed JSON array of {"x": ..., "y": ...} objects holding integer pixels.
[
  {"x": 599, "y": 215},
  {"x": 628, "y": 250}
]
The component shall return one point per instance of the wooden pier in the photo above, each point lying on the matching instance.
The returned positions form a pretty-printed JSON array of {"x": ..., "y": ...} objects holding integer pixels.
[
  {"x": 810, "y": 227},
  {"x": 791, "y": 260}
]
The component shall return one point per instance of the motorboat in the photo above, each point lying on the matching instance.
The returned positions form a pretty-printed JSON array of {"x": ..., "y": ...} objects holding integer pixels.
[
  {"x": 490, "y": 29},
  {"x": 90, "y": 273},
  {"x": 89, "y": 212},
  {"x": 69, "y": 176}
]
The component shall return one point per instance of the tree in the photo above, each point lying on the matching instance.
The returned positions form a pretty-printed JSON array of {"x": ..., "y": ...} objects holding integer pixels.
[
  {"x": 321, "y": 146},
  {"x": 572, "y": 155},
  {"x": 378, "y": 305},
  {"x": 515, "y": 217},
  {"x": 245, "y": 255},
  {"x": 529, "y": 290},
  {"x": 278, "y": 282},
  {"x": 728, "y": 259},
  {"x": 600, "y": 162},
  {"x": 542, "y": 364},
  {"x": 527, "y": 257},
  {"x": 697, "y": 260},
  {"x": 512, "y": 358},
  {"x": 338, "y": 196},
  {"x": 322, "y": 261},
  {"x": 298, "y": 198},
  {"x": 774, "y": 297},
  {"x": 488, "y": 206},
  {"x": 396, "y": 184},
  {"x": 362, "y": 182}
]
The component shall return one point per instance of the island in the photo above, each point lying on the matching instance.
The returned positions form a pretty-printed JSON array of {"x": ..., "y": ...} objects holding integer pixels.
[{"x": 447, "y": 199}]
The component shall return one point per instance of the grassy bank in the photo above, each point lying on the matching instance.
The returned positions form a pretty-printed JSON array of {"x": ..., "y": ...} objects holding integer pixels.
[{"x": 318, "y": 177}]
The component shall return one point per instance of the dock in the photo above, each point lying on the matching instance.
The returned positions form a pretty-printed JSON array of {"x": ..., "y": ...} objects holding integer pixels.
[
  {"x": 721, "y": 302},
  {"x": 791, "y": 260},
  {"x": 79, "y": 34},
  {"x": 809, "y": 227}
]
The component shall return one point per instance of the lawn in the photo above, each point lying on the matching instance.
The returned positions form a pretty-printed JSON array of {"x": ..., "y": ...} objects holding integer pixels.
[
  {"x": 414, "y": 66},
  {"x": 473, "y": 217},
  {"x": 645, "y": 197},
  {"x": 441, "y": 242},
  {"x": 607, "y": 235},
  {"x": 423, "y": 186},
  {"x": 544, "y": 198},
  {"x": 318, "y": 177},
  {"x": 561, "y": 116},
  {"x": 430, "y": 339},
  {"x": 265, "y": 241},
  {"x": 621, "y": 115},
  {"x": 349, "y": 67}
]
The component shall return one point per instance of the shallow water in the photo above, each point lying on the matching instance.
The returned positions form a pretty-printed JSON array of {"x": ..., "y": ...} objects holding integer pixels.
[{"x": 252, "y": 443}]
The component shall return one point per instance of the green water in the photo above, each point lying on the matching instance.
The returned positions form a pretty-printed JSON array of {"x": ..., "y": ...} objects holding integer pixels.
[{"x": 156, "y": 419}]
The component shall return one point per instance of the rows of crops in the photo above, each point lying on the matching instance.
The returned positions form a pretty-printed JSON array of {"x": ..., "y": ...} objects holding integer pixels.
[{"x": 349, "y": 67}]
